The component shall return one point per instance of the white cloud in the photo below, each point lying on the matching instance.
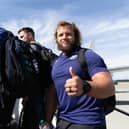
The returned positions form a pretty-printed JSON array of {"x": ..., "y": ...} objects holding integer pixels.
[
  {"x": 44, "y": 25},
  {"x": 107, "y": 35},
  {"x": 118, "y": 61},
  {"x": 108, "y": 26}
]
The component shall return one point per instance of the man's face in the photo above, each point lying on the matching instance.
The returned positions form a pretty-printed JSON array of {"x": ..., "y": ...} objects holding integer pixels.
[
  {"x": 65, "y": 38},
  {"x": 27, "y": 37}
]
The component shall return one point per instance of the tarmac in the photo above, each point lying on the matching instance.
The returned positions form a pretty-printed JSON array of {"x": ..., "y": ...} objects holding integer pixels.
[{"x": 116, "y": 119}]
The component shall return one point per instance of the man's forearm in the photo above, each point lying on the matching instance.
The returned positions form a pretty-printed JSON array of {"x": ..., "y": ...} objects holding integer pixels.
[{"x": 51, "y": 104}]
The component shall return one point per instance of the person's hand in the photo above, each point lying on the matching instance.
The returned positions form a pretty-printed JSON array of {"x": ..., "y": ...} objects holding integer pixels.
[
  {"x": 50, "y": 125},
  {"x": 25, "y": 100},
  {"x": 74, "y": 85}
]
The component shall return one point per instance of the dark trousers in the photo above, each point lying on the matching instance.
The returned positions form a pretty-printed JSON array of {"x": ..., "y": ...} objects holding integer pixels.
[
  {"x": 61, "y": 124},
  {"x": 33, "y": 112},
  {"x": 6, "y": 111}
]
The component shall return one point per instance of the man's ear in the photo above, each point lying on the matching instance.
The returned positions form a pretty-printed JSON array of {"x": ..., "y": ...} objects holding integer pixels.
[
  {"x": 30, "y": 35},
  {"x": 56, "y": 41}
]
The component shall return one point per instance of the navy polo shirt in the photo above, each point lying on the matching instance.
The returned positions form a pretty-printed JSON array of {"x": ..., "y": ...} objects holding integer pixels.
[{"x": 81, "y": 109}]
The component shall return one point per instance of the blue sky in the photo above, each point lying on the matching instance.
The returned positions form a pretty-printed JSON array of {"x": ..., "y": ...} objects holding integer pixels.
[{"x": 103, "y": 23}]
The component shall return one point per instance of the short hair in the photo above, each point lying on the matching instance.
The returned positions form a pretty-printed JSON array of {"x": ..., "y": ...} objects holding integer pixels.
[
  {"x": 75, "y": 29},
  {"x": 27, "y": 29}
]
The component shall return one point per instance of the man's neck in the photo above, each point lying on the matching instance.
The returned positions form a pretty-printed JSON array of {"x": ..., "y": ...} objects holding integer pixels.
[{"x": 33, "y": 41}]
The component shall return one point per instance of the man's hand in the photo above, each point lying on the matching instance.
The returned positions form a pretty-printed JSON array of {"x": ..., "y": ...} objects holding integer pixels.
[
  {"x": 25, "y": 100},
  {"x": 74, "y": 85}
]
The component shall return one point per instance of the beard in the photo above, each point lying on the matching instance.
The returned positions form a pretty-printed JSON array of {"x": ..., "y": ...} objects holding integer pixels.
[{"x": 67, "y": 49}]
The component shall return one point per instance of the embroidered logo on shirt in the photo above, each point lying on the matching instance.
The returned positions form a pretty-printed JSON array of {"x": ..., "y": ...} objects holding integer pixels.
[{"x": 73, "y": 57}]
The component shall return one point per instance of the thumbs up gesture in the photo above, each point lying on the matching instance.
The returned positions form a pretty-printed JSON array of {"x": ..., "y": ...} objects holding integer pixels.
[
  {"x": 71, "y": 71},
  {"x": 74, "y": 85}
]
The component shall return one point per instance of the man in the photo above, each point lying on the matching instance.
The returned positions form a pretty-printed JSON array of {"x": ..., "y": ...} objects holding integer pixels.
[
  {"x": 79, "y": 98},
  {"x": 27, "y": 34},
  {"x": 34, "y": 105}
]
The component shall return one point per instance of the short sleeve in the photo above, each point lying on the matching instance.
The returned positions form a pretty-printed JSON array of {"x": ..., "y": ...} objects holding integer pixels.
[{"x": 95, "y": 63}]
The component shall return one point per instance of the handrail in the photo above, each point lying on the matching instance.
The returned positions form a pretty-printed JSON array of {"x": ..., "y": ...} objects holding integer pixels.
[{"x": 122, "y": 111}]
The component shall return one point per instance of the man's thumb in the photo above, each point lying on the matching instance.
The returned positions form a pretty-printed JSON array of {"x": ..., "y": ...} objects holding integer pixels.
[{"x": 71, "y": 71}]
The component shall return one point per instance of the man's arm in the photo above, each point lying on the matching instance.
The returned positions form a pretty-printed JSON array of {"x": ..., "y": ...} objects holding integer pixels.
[
  {"x": 51, "y": 104},
  {"x": 101, "y": 85}
]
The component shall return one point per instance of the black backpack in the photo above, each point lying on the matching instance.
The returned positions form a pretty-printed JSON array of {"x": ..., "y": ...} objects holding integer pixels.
[
  {"x": 25, "y": 69},
  {"x": 110, "y": 102}
]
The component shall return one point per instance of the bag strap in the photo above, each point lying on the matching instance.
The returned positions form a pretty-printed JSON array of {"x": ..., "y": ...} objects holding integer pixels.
[{"x": 82, "y": 59}]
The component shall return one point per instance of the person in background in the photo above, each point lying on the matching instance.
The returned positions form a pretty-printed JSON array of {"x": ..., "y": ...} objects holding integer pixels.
[
  {"x": 34, "y": 105},
  {"x": 79, "y": 97}
]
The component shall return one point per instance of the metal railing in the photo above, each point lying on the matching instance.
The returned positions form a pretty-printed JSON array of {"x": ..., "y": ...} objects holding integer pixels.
[
  {"x": 121, "y": 102},
  {"x": 122, "y": 111}
]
